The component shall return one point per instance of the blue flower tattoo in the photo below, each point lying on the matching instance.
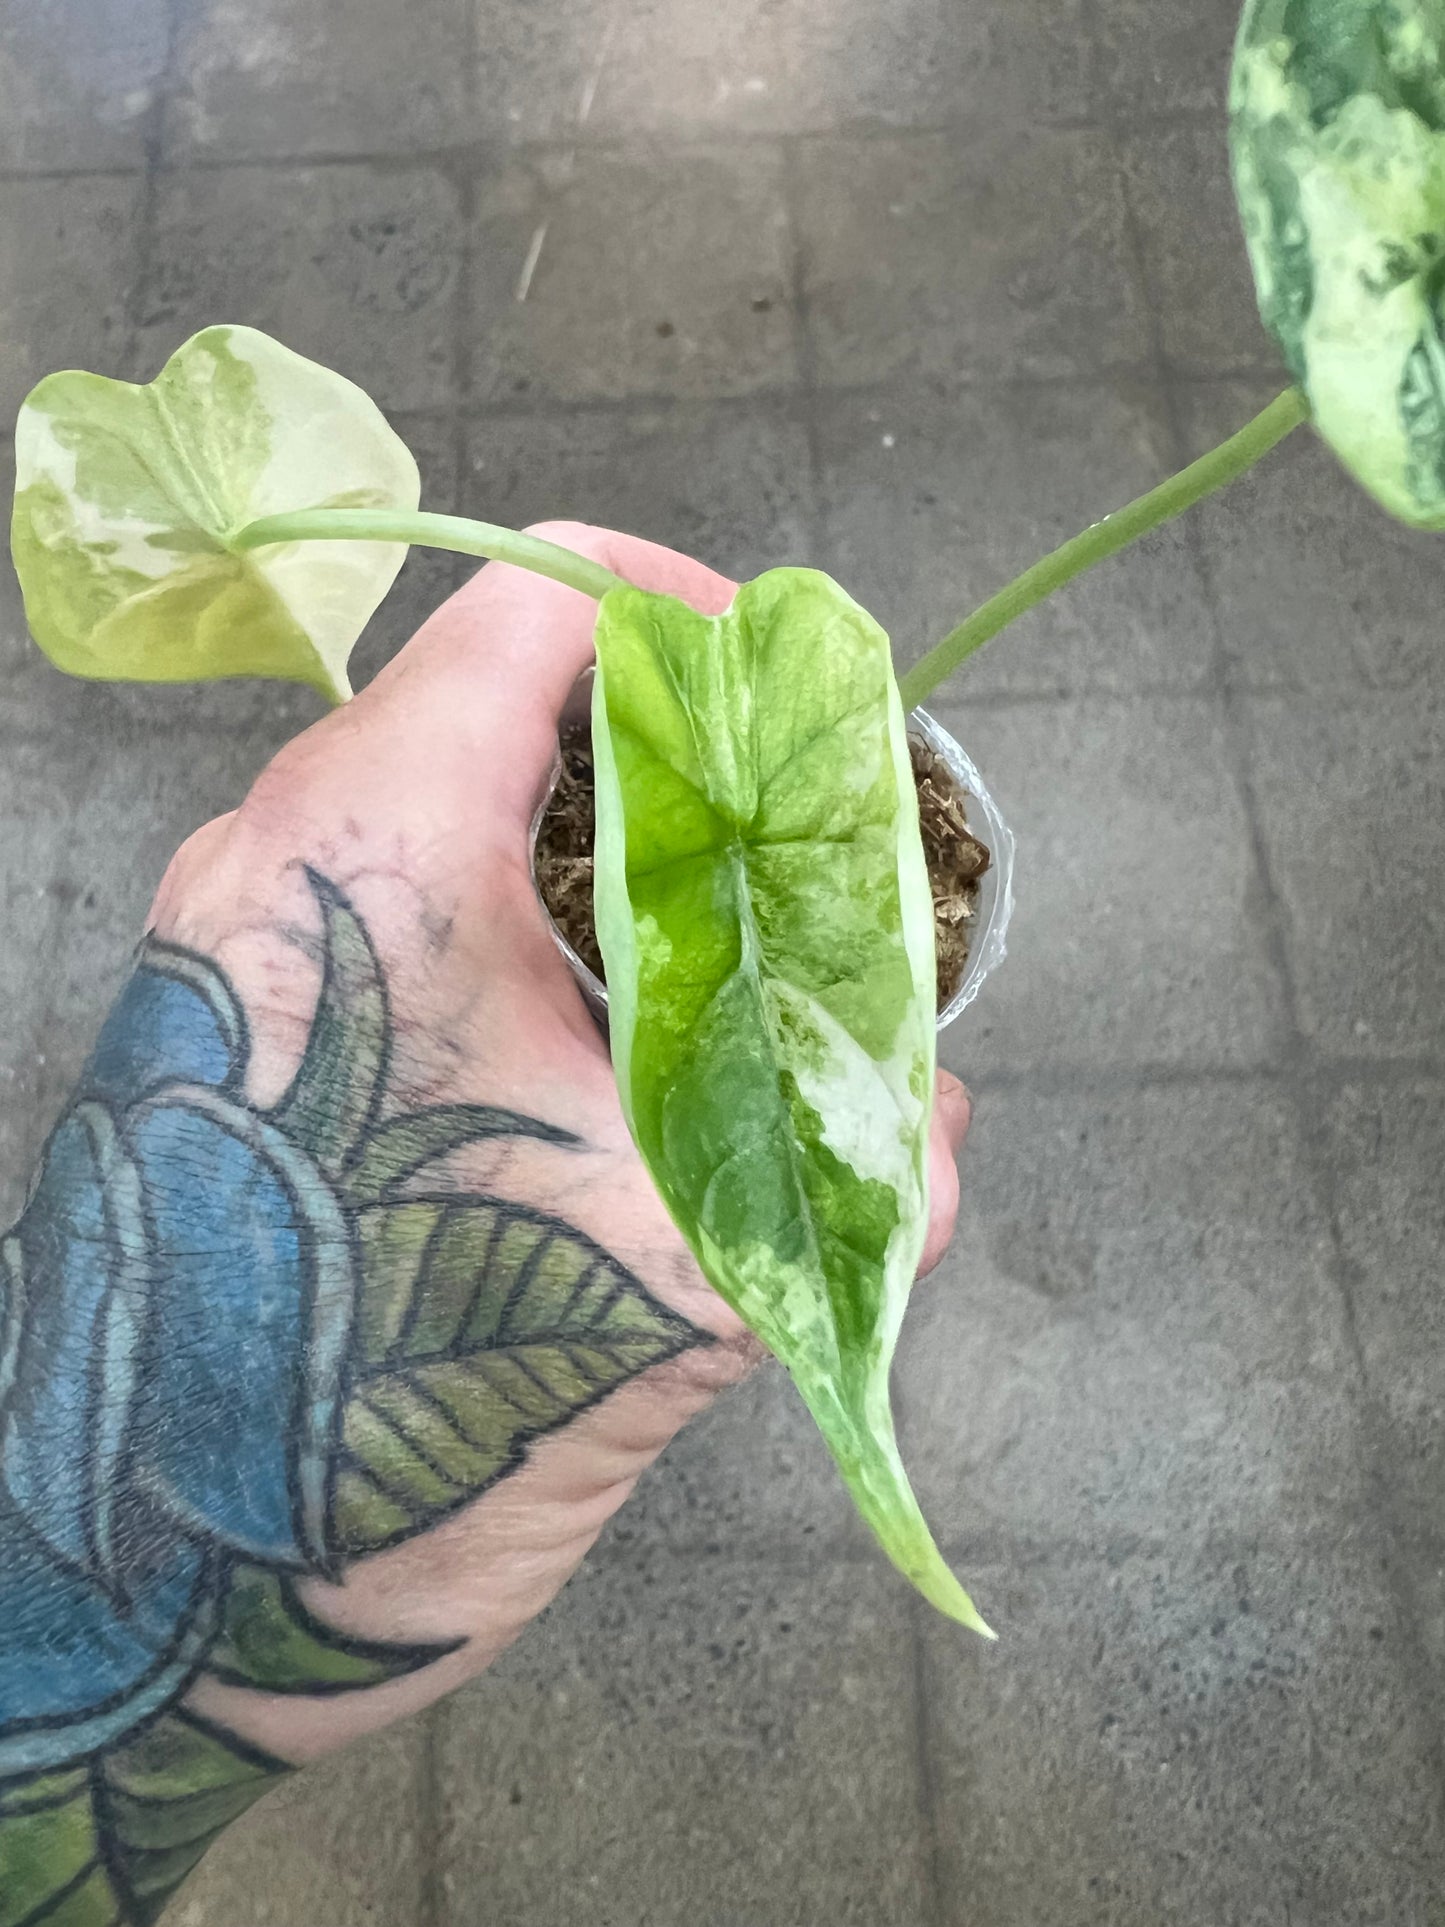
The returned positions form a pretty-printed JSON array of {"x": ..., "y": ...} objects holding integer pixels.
[{"x": 237, "y": 1349}]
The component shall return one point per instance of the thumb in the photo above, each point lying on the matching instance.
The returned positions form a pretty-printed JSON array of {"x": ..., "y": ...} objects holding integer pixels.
[
  {"x": 492, "y": 669},
  {"x": 951, "y": 1114}
]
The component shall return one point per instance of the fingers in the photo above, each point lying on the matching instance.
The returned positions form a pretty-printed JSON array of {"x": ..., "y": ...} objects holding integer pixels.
[
  {"x": 952, "y": 1109},
  {"x": 951, "y": 1112},
  {"x": 492, "y": 669}
]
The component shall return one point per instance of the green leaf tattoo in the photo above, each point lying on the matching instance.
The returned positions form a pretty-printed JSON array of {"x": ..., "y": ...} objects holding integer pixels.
[
  {"x": 764, "y": 911},
  {"x": 1337, "y": 111},
  {"x": 128, "y": 500},
  {"x": 160, "y": 1801},
  {"x": 50, "y": 1854},
  {"x": 488, "y": 1326},
  {"x": 289, "y": 1354}
]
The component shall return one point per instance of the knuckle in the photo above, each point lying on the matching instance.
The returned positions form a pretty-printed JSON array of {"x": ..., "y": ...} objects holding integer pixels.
[
  {"x": 299, "y": 783},
  {"x": 195, "y": 858},
  {"x": 583, "y": 538}
]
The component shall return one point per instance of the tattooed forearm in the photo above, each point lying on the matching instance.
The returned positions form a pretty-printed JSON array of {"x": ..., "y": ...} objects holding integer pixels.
[{"x": 240, "y": 1348}]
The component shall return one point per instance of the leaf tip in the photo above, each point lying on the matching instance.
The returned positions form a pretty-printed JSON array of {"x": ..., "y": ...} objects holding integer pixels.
[{"x": 962, "y": 1609}]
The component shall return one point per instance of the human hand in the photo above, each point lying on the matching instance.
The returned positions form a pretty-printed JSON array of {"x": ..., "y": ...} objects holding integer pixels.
[{"x": 374, "y": 1302}]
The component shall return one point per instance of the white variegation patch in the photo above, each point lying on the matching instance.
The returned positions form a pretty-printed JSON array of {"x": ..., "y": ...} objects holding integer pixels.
[
  {"x": 129, "y": 498},
  {"x": 773, "y": 1014},
  {"x": 1337, "y": 114}
]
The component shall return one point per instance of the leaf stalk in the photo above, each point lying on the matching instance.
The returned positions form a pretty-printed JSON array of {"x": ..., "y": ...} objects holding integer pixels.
[
  {"x": 1162, "y": 504},
  {"x": 456, "y": 533}
]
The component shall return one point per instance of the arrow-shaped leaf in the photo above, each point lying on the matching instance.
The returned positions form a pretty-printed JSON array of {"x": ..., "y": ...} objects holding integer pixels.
[
  {"x": 483, "y": 1326},
  {"x": 763, "y": 907}
]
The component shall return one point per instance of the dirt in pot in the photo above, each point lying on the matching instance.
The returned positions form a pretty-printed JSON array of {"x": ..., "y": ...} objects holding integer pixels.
[{"x": 957, "y": 861}]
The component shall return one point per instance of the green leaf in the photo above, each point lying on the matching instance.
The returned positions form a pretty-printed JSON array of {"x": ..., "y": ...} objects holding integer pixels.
[
  {"x": 483, "y": 1325},
  {"x": 764, "y": 911},
  {"x": 127, "y": 500},
  {"x": 1337, "y": 118},
  {"x": 270, "y": 1641}
]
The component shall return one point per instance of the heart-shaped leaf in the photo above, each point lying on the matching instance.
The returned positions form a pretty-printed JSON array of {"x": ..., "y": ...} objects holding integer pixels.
[
  {"x": 764, "y": 911},
  {"x": 1337, "y": 112},
  {"x": 128, "y": 499}
]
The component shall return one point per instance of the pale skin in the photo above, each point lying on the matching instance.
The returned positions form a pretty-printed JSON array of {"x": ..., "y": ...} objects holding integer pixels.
[{"x": 416, "y": 800}]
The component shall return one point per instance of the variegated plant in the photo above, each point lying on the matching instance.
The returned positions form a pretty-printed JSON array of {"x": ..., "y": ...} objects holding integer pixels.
[
  {"x": 761, "y": 892},
  {"x": 1337, "y": 113},
  {"x": 137, "y": 551}
]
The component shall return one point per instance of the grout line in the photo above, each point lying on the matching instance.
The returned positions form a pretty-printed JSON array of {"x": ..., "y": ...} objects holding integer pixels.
[
  {"x": 994, "y": 702},
  {"x": 566, "y": 170},
  {"x": 1093, "y": 50},
  {"x": 980, "y": 1558},
  {"x": 154, "y": 144},
  {"x": 679, "y": 139},
  {"x": 471, "y": 49},
  {"x": 1327, "y": 1077},
  {"x": 1000, "y": 701},
  {"x": 25, "y": 176},
  {"x": 464, "y": 295},
  {"x": 49, "y": 1098},
  {"x": 669, "y": 140},
  {"x": 926, "y": 1768},
  {"x": 431, "y": 1887},
  {"x": 806, "y": 358},
  {"x": 774, "y": 394}
]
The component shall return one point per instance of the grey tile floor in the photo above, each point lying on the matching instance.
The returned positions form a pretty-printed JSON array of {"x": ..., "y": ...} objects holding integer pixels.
[{"x": 909, "y": 288}]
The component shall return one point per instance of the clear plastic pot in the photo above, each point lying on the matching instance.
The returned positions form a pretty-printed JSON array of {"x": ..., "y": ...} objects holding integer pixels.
[{"x": 996, "y": 896}]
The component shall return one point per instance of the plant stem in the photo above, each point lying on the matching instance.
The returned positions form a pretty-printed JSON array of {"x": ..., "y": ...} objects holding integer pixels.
[
  {"x": 1106, "y": 538},
  {"x": 452, "y": 532}
]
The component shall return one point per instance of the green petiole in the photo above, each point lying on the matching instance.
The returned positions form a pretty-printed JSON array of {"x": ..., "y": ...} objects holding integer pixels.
[
  {"x": 1162, "y": 504},
  {"x": 454, "y": 532},
  {"x": 1212, "y": 471}
]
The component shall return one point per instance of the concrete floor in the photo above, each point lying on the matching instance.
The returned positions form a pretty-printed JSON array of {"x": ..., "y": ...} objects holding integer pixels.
[{"x": 910, "y": 289}]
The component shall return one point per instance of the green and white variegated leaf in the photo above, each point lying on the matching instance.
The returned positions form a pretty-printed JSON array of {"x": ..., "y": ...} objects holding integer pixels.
[
  {"x": 165, "y": 1797},
  {"x": 271, "y": 1642},
  {"x": 1337, "y": 111},
  {"x": 127, "y": 500},
  {"x": 764, "y": 912}
]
